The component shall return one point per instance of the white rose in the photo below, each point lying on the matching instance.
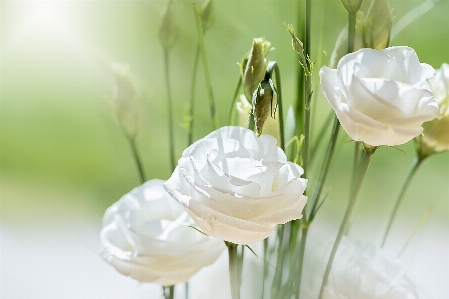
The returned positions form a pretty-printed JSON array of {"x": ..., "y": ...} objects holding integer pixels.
[
  {"x": 435, "y": 137},
  {"x": 236, "y": 186},
  {"x": 146, "y": 236},
  {"x": 381, "y": 97},
  {"x": 364, "y": 271}
]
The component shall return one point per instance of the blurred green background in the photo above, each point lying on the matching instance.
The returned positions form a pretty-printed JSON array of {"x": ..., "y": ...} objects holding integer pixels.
[{"x": 62, "y": 154}]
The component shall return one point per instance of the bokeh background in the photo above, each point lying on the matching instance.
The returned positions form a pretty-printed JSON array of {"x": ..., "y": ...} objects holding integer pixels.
[{"x": 63, "y": 159}]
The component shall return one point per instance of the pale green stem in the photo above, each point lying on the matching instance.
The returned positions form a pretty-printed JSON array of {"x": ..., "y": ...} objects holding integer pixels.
[
  {"x": 322, "y": 131},
  {"x": 265, "y": 264},
  {"x": 302, "y": 250},
  {"x": 192, "y": 98},
  {"x": 205, "y": 66},
  {"x": 187, "y": 290},
  {"x": 234, "y": 98},
  {"x": 169, "y": 292},
  {"x": 279, "y": 263},
  {"x": 170, "y": 111},
  {"x": 300, "y": 102},
  {"x": 414, "y": 167},
  {"x": 240, "y": 263},
  {"x": 132, "y": 142},
  {"x": 233, "y": 270},
  {"x": 364, "y": 165}
]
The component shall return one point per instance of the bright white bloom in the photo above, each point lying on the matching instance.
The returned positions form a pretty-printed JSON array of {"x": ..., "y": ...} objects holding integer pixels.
[
  {"x": 146, "y": 236},
  {"x": 364, "y": 271},
  {"x": 435, "y": 137},
  {"x": 381, "y": 97},
  {"x": 236, "y": 186}
]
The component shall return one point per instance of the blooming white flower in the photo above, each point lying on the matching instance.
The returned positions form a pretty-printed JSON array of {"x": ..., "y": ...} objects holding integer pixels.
[
  {"x": 146, "y": 235},
  {"x": 236, "y": 186},
  {"x": 435, "y": 137},
  {"x": 381, "y": 97},
  {"x": 364, "y": 271}
]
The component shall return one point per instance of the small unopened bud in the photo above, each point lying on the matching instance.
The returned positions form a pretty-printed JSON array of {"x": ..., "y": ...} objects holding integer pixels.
[
  {"x": 124, "y": 99},
  {"x": 377, "y": 27},
  {"x": 207, "y": 15},
  {"x": 341, "y": 46},
  {"x": 255, "y": 68},
  {"x": 435, "y": 137},
  {"x": 352, "y": 6},
  {"x": 264, "y": 104},
  {"x": 168, "y": 32}
]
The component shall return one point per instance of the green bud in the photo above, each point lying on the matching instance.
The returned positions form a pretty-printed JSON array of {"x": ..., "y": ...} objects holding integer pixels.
[
  {"x": 377, "y": 27},
  {"x": 341, "y": 46},
  {"x": 207, "y": 15},
  {"x": 352, "y": 6},
  {"x": 255, "y": 68},
  {"x": 124, "y": 99},
  {"x": 168, "y": 32},
  {"x": 264, "y": 104}
]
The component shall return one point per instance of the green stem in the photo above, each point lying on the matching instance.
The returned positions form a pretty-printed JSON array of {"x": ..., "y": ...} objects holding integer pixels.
[
  {"x": 308, "y": 43},
  {"x": 414, "y": 167},
  {"x": 240, "y": 263},
  {"x": 205, "y": 66},
  {"x": 132, "y": 142},
  {"x": 323, "y": 129},
  {"x": 300, "y": 102},
  {"x": 302, "y": 249},
  {"x": 192, "y": 97},
  {"x": 187, "y": 290},
  {"x": 170, "y": 110},
  {"x": 233, "y": 270},
  {"x": 169, "y": 292},
  {"x": 265, "y": 264},
  {"x": 279, "y": 263},
  {"x": 368, "y": 152},
  {"x": 234, "y": 98},
  {"x": 351, "y": 31},
  {"x": 274, "y": 67}
]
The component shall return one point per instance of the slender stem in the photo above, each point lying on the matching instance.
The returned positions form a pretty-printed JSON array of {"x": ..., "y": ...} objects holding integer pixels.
[
  {"x": 132, "y": 142},
  {"x": 413, "y": 168},
  {"x": 308, "y": 43},
  {"x": 364, "y": 165},
  {"x": 192, "y": 98},
  {"x": 187, "y": 290},
  {"x": 234, "y": 98},
  {"x": 170, "y": 110},
  {"x": 205, "y": 66},
  {"x": 265, "y": 264},
  {"x": 273, "y": 66},
  {"x": 302, "y": 249},
  {"x": 323, "y": 129},
  {"x": 279, "y": 263},
  {"x": 169, "y": 292},
  {"x": 240, "y": 263},
  {"x": 299, "y": 104},
  {"x": 355, "y": 160},
  {"x": 233, "y": 270},
  {"x": 351, "y": 31}
]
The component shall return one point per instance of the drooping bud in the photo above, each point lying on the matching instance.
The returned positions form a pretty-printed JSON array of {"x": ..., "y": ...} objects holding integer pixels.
[
  {"x": 352, "y": 6},
  {"x": 341, "y": 46},
  {"x": 264, "y": 104},
  {"x": 168, "y": 32},
  {"x": 207, "y": 15},
  {"x": 124, "y": 99},
  {"x": 435, "y": 137},
  {"x": 377, "y": 27},
  {"x": 255, "y": 68}
]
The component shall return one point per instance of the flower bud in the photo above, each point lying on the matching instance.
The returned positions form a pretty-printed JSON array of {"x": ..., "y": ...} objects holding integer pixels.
[
  {"x": 435, "y": 137},
  {"x": 168, "y": 32},
  {"x": 244, "y": 110},
  {"x": 263, "y": 104},
  {"x": 124, "y": 99},
  {"x": 377, "y": 28},
  {"x": 255, "y": 68},
  {"x": 341, "y": 46},
  {"x": 352, "y": 6},
  {"x": 207, "y": 15}
]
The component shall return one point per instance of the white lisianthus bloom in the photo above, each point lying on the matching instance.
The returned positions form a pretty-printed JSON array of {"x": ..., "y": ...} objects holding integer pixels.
[
  {"x": 146, "y": 235},
  {"x": 365, "y": 271},
  {"x": 435, "y": 137},
  {"x": 381, "y": 97},
  {"x": 236, "y": 186}
]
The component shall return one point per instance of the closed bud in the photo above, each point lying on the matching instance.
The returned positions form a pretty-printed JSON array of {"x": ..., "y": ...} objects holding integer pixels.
[
  {"x": 124, "y": 99},
  {"x": 207, "y": 15},
  {"x": 264, "y": 104},
  {"x": 377, "y": 28},
  {"x": 255, "y": 67},
  {"x": 352, "y": 6},
  {"x": 341, "y": 46},
  {"x": 435, "y": 137},
  {"x": 168, "y": 32}
]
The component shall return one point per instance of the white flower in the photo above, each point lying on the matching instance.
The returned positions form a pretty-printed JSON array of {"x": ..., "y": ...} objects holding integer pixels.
[
  {"x": 236, "y": 186},
  {"x": 364, "y": 271},
  {"x": 381, "y": 97},
  {"x": 146, "y": 236},
  {"x": 435, "y": 137}
]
